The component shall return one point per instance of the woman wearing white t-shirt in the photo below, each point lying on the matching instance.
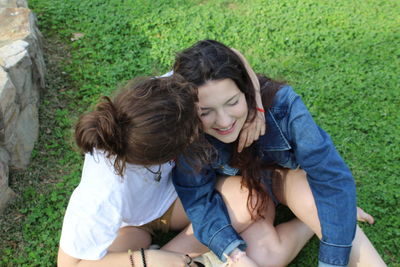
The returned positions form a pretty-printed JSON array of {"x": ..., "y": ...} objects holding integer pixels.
[{"x": 126, "y": 190}]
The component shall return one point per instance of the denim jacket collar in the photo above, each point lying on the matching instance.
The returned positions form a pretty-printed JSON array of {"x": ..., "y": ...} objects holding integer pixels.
[{"x": 274, "y": 139}]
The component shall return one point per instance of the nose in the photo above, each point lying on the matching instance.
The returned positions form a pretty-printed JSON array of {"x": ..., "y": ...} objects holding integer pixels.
[{"x": 223, "y": 120}]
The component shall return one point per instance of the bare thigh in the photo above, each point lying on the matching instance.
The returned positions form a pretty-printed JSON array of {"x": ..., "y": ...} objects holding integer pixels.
[
  {"x": 185, "y": 242},
  {"x": 298, "y": 197},
  {"x": 295, "y": 192},
  {"x": 179, "y": 219},
  {"x": 235, "y": 198},
  {"x": 130, "y": 237}
]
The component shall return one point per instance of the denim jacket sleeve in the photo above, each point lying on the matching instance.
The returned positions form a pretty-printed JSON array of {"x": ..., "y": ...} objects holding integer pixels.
[
  {"x": 331, "y": 182},
  {"x": 206, "y": 209}
]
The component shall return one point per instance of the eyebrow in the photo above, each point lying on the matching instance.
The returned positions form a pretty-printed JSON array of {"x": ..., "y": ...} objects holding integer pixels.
[{"x": 229, "y": 100}]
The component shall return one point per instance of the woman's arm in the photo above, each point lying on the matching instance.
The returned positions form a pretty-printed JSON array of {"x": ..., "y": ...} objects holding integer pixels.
[
  {"x": 252, "y": 130},
  {"x": 331, "y": 182},
  {"x": 206, "y": 209}
]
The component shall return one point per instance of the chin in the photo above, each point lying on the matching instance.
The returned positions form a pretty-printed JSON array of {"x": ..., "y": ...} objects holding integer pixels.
[{"x": 227, "y": 139}]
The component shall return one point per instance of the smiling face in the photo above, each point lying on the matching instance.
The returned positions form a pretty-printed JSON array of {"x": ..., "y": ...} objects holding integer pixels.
[{"x": 222, "y": 109}]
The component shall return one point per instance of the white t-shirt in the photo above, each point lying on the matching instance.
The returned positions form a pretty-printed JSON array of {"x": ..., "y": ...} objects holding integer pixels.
[{"x": 104, "y": 201}]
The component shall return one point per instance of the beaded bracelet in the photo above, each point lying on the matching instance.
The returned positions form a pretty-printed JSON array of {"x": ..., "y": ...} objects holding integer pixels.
[
  {"x": 189, "y": 260},
  {"x": 131, "y": 257},
  {"x": 261, "y": 110},
  {"x": 143, "y": 257}
]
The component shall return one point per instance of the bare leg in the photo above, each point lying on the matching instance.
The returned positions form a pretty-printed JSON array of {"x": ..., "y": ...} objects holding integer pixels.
[
  {"x": 276, "y": 246},
  {"x": 363, "y": 253},
  {"x": 267, "y": 245},
  {"x": 130, "y": 238},
  {"x": 298, "y": 197},
  {"x": 185, "y": 242},
  {"x": 235, "y": 199}
]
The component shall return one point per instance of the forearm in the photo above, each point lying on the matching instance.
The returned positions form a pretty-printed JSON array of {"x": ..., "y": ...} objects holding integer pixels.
[
  {"x": 206, "y": 209},
  {"x": 253, "y": 77},
  {"x": 258, "y": 99}
]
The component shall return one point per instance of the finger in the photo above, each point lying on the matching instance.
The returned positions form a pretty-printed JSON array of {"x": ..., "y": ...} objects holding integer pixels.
[
  {"x": 362, "y": 216},
  {"x": 262, "y": 128},
  {"x": 249, "y": 140},
  {"x": 262, "y": 123},
  {"x": 257, "y": 131},
  {"x": 242, "y": 140}
]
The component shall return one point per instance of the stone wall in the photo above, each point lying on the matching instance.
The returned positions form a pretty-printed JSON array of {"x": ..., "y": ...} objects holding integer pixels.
[{"x": 21, "y": 79}]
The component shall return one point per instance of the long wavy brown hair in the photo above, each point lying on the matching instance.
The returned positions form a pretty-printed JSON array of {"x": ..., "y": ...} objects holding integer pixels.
[
  {"x": 211, "y": 60},
  {"x": 150, "y": 121}
]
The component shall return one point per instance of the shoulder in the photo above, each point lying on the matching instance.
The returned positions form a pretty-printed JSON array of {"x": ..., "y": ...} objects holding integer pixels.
[
  {"x": 283, "y": 100},
  {"x": 98, "y": 170},
  {"x": 285, "y": 96}
]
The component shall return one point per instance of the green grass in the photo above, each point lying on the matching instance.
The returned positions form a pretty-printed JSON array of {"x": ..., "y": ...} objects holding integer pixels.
[{"x": 341, "y": 56}]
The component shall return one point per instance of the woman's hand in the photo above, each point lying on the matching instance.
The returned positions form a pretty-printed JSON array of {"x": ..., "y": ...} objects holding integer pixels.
[
  {"x": 239, "y": 259},
  {"x": 251, "y": 131},
  {"x": 244, "y": 262},
  {"x": 362, "y": 216}
]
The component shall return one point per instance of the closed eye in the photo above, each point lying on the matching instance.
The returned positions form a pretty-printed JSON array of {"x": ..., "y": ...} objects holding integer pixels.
[
  {"x": 234, "y": 103},
  {"x": 203, "y": 114}
]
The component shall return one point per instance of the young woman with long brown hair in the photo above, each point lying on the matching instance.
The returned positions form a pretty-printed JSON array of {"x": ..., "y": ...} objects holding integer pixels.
[
  {"x": 126, "y": 193},
  {"x": 295, "y": 163}
]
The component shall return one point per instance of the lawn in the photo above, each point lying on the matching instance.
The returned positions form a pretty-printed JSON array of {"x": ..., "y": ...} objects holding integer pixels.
[{"x": 342, "y": 57}]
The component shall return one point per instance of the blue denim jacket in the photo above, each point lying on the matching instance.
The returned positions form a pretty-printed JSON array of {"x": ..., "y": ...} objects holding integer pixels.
[{"x": 292, "y": 140}]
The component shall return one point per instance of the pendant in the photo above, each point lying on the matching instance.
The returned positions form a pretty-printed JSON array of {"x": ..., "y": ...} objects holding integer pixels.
[{"x": 157, "y": 178}]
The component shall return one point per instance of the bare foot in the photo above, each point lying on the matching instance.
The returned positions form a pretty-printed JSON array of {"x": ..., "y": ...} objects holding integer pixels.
[{"x": 362, "y": 216}]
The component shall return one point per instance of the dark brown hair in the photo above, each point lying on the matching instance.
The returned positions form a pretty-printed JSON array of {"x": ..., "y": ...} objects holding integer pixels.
[
  {"x": 149, "y": 122},
  {"x": 211, "y": 60}
]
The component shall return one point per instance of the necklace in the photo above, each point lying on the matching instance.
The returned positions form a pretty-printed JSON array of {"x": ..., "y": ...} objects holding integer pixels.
[{"x": 158, "y": 173}]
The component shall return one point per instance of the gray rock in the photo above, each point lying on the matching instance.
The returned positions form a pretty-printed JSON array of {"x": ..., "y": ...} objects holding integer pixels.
[
  {"x": 19, "y": 24},
  {"x": 18, "y": 64},
  {"x": 27, "y": 132},
  {"x": 22, "y": 71},
  {"x": 9, "y": 111},
  {"x": 6, "y": 194},
  {"x": 13, "y": 3}
]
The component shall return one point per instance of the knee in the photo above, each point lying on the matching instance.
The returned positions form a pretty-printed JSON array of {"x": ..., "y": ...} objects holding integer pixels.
[{"x": 271, "y": 254}]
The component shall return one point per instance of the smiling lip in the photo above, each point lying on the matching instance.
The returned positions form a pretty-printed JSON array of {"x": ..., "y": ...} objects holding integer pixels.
[{"x": 225, "y": 132}]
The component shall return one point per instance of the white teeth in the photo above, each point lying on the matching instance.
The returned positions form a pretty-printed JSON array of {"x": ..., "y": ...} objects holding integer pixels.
[{"x": 224, "y": 129}]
